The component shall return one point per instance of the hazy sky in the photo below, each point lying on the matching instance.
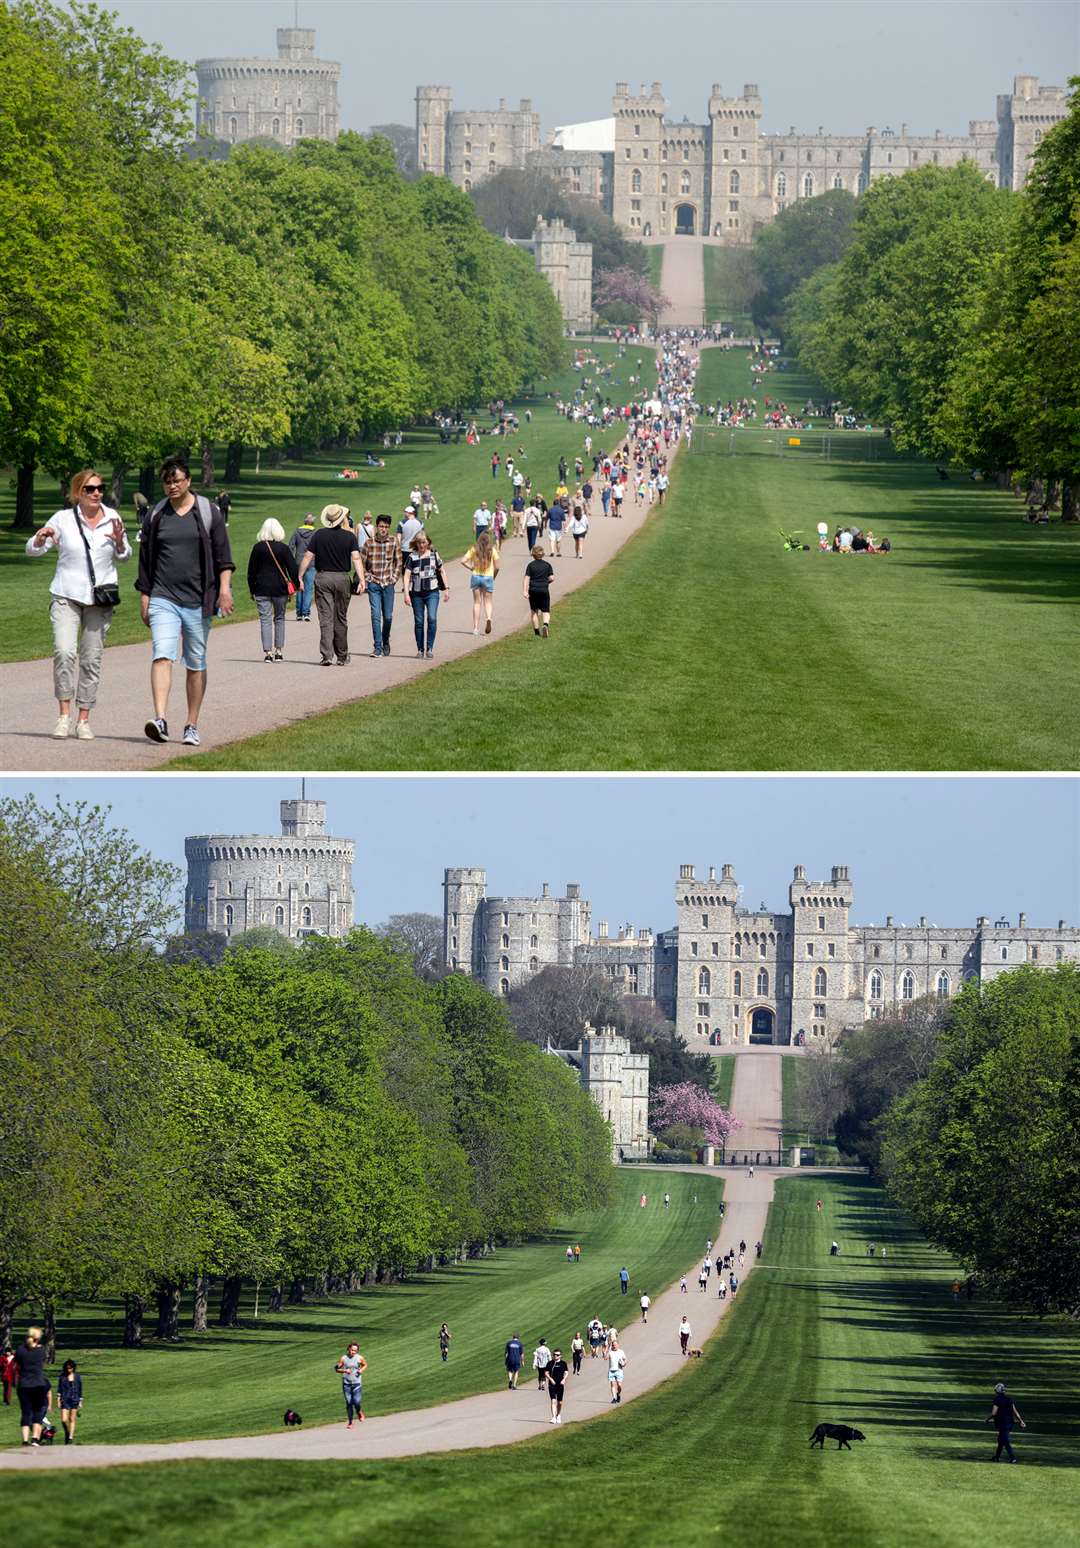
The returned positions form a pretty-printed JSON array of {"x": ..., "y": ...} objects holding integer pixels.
[
  {"x": 843, "y": 64},
  {"x": 947, "y": 848}
]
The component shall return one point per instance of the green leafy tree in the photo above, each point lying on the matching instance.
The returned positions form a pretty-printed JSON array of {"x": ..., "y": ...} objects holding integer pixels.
[{"x": 807, "y": 236}]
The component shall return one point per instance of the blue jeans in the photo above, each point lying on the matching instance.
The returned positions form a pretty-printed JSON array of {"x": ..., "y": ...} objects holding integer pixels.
[
  {"x": 305, "y": 592},
  {"x": 381, "y": 601},
  {"x": 1004, "y": 1443},
  {"x": 425, "y": 607},
  {"x": 353, "y": 1395}
]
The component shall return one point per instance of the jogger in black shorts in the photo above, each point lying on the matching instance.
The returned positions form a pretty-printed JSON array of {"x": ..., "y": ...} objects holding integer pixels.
[{"x": 556, "y": 1377}]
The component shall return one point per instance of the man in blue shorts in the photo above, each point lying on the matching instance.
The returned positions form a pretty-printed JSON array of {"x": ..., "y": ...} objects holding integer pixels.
[
  {"x": 185, "y": 576},
  {"x": 515, "y": 1353}
]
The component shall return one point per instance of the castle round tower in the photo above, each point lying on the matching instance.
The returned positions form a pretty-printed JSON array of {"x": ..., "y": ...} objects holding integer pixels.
[
  {"x": 290, "y": 98},
  {"x": 298, "y": 884}
]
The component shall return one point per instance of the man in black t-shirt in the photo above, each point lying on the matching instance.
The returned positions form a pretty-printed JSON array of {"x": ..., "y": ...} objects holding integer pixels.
[
  {"x": 1003, "y": 1415},
  {"x": 556, "y": 1380},
  {"x": 536, "y": 589}
]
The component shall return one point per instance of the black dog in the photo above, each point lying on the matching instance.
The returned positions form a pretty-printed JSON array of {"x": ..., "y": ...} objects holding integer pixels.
[
  {"x": 841, "y": 1433},
  {"x": 291, "y": 1417}
]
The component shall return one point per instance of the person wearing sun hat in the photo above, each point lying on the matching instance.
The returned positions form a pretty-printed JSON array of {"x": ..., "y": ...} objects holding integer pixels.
[{"x": 334, "y": 553}]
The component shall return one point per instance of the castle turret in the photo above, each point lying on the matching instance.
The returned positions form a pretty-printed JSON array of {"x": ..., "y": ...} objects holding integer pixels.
[
  {"x": 637, "y": 172},
  {"x": 464, "y": 890},
  {"x": 737, "y": 196},
  {"x": 820, "y": 953},
  {"x": 432, "y": 114}
]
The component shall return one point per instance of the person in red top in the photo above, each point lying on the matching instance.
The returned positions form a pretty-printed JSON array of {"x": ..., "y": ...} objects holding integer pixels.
[{"x": 7, "y": 1374}]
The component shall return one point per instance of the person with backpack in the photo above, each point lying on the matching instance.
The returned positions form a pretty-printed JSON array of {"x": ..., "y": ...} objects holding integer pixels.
[
  {"x": 272, "y": 578},
  {"x": 90, "y": 541},
  {"x": 185, "y": 576},
  {"x": 298, "y": 547}
]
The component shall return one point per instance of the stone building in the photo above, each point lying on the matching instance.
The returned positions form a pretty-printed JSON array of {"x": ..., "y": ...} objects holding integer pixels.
[
  {"x": 566, "y": 264},
  {"x": 723, "y": 177},
  {"x": 727, "y": 974},
  {"x": 618, "y": 1082},
  {"x": 290, "y": 98},
  {"x": 467, "y": 146},
  {"x": 299, "y": 883}
]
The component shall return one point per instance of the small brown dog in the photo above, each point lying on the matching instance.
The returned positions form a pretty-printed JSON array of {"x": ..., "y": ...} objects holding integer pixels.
[{"x": 694, "y": 1354}]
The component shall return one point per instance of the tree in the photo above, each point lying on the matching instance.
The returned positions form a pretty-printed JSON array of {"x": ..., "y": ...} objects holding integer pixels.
[
  {"x": 402, "y": 138},
  {"x": 687, "y": 1104},
  {"x": 623, "y": 289},
  {"x": 422, "y": 937},
  {"x": 878, "y": 1064},
  {"x": 552, "y": 1007},
  {"x": 984, "y": 1151},
  {"x": 803, "y": 238}
]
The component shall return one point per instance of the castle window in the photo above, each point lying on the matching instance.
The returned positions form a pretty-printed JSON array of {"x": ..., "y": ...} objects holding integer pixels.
[
  {"x": 735, "y": 1012},
  {"x": 875, "y": 985},
  {"x": 453, "y": 943},
  {"x": 280, "y": 889},
  {"x": 761, "y": 948},
  {"x": 228, "y": 916},
  {"x": 506, "y": 919},
  {"x": 534, "y": 965},
  {"x": 781, "y": 156},
  {"x": 1059, "y": 953},
  {"x": 1004, "y": 954},
  {"x": 808, "y": 155},
  {"x": 704, "y": 981},
  {"x": 532, "y": 918},
  {"x": 703, "y": 1008},
  {"x": 819, "y": 1010},
  {"x": 305, "y": 916},
  {"x": 875, "y": 951},
  {"x": 907, "y": 986},
  {"x": 504, "y": 986},
  {"x": 637, "y": 131},
  {"x": 808, "y": 186},
  {"x": 736, "y": 984},
  {"x": 491, "y": 147},
  {"x": 838, "y": 181},
  {"x": 504, "y": 963},
  {"x": 832, "y": 949},
  {"x": 821, "y": 921},
  {"x": 875, "y": 1013},
  {"x": 684, "y": 183},
  {"x": 686, "y": 153},
  {"x": 307, "y": 889},
  {"x": 663, "y": 182},
  {"x": 821, "y": 982},
  {"x": 232, "y": 128},
  {"x": 838, "y": 158},
  {"x": 491, "y": 166},
  {"x": 644, "y": 153},
  {"x": 734, "y": 131},
  {"x": 628, "y": 153},
  {"x": 704, "y": 921},
  {"x": 505, "y": 941},
  {"x": 693, "y": 948},
  {"x": 663, "y": 153},
  {"x": 888, "y": 157},
  {"x": 781, "y": 185},
  {"x": 787, "y": 983},
  {"x": 909, "y": 950},
  {"x": 299, "y": 127},
  {"x": 727, "y": 154},
  {"x": 1034, "y": 953},
  {"x": 943, "y": 986},
  {"x": 738, "y": 948},
  {"x": 742, "y": 155},
  {"x": 635, "y": 182},
  {"x": 277, "y": 126},
  {"x": 860, "y": 181},
  {"x": 635, "y": 204},
  {"x": 763, "y": 981},
  {"x": 716, "y": 948},
  {"x": 468, "y": 184},
  {"x": 914, "y": 155},
  {"x": 733, "y": 183},
  {"x": 468, "y": 165}
]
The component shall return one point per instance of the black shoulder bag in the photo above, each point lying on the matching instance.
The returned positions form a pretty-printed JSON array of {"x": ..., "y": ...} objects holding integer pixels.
[{"x": 104, "y": 596}]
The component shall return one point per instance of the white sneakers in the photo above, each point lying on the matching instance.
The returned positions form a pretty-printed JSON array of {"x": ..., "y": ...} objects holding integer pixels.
[{"x": 62, "y": 729}]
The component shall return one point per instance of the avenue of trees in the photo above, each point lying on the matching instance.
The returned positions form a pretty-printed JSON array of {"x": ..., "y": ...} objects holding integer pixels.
[
  {"x": 310, "y": 1119},
  {"x": 969, "y": 1112},
  {"x": 954, "y": 316},
  {"x": 280, "y": 300}
]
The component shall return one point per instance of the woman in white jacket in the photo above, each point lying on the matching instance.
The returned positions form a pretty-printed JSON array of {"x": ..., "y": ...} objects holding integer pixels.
[{"x": 89, "y": 538}]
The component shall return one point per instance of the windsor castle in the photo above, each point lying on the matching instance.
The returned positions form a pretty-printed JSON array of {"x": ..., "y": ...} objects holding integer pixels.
[
  {"x": 726, "y": 974},
  {"x": 724, "y": 176}
]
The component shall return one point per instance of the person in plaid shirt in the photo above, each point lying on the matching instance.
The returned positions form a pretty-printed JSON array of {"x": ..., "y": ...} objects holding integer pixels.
[{"x": 382, "y": 566}]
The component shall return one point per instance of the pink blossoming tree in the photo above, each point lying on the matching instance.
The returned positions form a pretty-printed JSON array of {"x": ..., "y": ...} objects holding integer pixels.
[{"x": 689, "y": 1104}]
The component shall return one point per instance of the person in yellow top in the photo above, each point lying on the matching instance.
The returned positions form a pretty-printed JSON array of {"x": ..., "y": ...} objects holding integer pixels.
[{"x": 482, "y": 560}]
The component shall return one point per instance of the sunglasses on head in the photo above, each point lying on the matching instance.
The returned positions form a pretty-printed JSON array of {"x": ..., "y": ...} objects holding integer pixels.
[{"x": 93, "y": 489}]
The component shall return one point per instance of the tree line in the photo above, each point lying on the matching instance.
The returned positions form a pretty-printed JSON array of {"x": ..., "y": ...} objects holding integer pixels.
[
  {"x": 275, "y": 299},
  {"x": 311, "y": 1120},
  {"x": 953, "y": 316},
  {"x": 969, "y": 1111}
]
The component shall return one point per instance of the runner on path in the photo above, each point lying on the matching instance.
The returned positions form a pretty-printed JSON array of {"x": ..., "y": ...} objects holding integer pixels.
[
  {"x": 515, "y": 1353},
  {"x": 596, "y": 1337},
  {"x": 541, "y": 1361},
  {"x": 351, "y": 1368},
  {"x": 645, "y": 1304},
  {"x": 684, "y": 1335},
  {"x": 556, "y": 1379},
  {"x": 616, "y": 1367}
]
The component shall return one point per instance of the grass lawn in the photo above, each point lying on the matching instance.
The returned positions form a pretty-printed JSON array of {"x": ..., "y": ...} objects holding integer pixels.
[
  {"x": 721, "y": 1447},
  {"x": 722, "y": 300},
  {"x": 240, "y": 1381},
  {"x": 654, "y": 264},
  {"x": 793, "y": 1074},
  {"x": 703, "y": 645},
  {"x": 459, "y": 476},
  {"x": 723, "y": 1078}
]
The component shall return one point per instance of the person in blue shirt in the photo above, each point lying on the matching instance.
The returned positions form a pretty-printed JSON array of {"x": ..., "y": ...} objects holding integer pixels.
[
  {"x": 624, "y": 1280},
  {"x": 71, "y": 1400},
  {"x": 515, "y": 1353}
]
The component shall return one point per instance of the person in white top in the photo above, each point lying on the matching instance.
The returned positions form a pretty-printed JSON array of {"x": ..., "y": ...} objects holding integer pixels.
[
  {"x": 89, "y": 538},
  {"x": 645, "y": 1304},
  {"x": 541, "y": 1361},
  {"x": 616, "y": 1367},
  {"x": 684, "y": 1335}
]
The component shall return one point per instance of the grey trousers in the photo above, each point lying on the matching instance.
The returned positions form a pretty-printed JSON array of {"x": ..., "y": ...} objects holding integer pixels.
[
  {"x": 79, "y": 630},
  {"x": 332, "y": 598},
  {"x": 272, "y": 611}
]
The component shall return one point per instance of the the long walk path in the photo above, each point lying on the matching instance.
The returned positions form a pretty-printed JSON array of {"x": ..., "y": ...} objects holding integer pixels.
[
  {"x": 500, "y": 1418},
  {"x": 682, "y": 281}
]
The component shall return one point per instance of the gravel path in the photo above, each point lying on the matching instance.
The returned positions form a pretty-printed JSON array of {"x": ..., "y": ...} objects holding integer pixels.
[
  {"x": 500, "y": 1418},
  {"x": 682, "y": 280}
]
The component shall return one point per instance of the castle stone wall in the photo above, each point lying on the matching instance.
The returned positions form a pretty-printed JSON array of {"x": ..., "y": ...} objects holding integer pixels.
[{"x": 290, "y": 98}]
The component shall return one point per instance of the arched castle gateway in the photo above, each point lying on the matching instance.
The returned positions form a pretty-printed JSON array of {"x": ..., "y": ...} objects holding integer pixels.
[
  {"x": 726, "y": 974},
  {"x": 298, "y": 884}
]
